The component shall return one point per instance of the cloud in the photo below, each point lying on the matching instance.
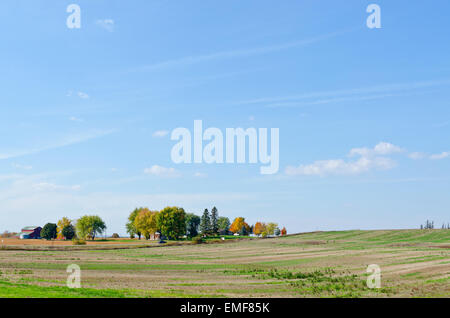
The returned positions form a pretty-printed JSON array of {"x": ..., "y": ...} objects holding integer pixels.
[
  {"x": 356, "y": 94},
  {"x": 106, "y": 24},
  {"x": 23, "y": 167},
  {"x": 66, "y": 141},
  {"x": 160, "y": 133},
  {"x": 440, "y": 156},
  {"x": 45, "y": 186},
  {"x": 190, "y": 60},
  {"x": 370, "y": 158},
  {"x": 340, "y": 167},
  {"x": 383, "y": 148},
  {"x": 417, "y": 155},
  {"x": 161, "y": 171},
  {"x": 200, "y": 175},
  {"x": 82, "y": 95},
  {"x": 73, "y": 118}
]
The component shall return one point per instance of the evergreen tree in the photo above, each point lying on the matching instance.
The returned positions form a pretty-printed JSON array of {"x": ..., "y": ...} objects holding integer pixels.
[
  {"x": 214, "y": 219},
  {"x": 243, "y": 231},
  {"x": 205, "y": 223}
]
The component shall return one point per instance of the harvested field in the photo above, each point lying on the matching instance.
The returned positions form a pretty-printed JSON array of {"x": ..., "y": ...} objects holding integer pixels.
[
  {"x": 414, "y": 263},
  {"x": 19, "y": 242}
]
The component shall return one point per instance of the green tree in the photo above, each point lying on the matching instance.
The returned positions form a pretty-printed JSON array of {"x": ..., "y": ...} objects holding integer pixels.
[
  {"x": 214, "y": 220},
  {"x": 49, "y": 231},
  {"x": 205, "y": 223},
  {"x": 171, "y": 221},
  {"x": 270, "y": 228},
  {"x": 89, "y": 226},
  {"x": 131, "y": 228},
  {"x": 223, "y": 224},
  {"x": 192, "y": 224},
  {"x": 68, "y": 232}
]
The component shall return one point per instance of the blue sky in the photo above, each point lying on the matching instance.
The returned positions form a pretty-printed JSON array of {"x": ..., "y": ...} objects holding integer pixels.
[{"x": 363, "y": 113}]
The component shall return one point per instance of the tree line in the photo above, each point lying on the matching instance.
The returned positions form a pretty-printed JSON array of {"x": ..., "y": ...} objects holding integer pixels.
[
  {"x": 86, "y": 227},
  {"x": 429, "y": 225},
  {"x": 174, "y": 223}
]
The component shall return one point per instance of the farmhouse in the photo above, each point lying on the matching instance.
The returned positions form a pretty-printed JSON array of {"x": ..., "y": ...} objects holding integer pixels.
[{"x": 30, "y": 232}]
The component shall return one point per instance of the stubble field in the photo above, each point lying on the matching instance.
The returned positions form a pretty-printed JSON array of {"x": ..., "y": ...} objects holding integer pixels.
[{"x": 414, "y": 263}]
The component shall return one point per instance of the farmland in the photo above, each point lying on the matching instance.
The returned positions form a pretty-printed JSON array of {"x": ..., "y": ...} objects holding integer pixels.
[{"x": 414, "y": 263}]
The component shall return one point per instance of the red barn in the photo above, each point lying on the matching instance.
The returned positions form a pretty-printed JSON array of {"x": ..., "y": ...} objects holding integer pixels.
[{"x": 30, "y": 232}]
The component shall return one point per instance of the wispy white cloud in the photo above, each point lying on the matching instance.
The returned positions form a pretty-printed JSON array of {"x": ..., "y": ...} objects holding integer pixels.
[
  {"x": 200, "y": 175},
  {"x": 440, "y": 156},
  {"x": 161, "y": 171},
  {"x": 83, "y": 95},
  {"x": 417, "y": 155},
  {"x": 73, "y": 118},
  {"x": 370, "y": 158},
  {"x": 358, "y": 94},
  {"x": 22, "y": 167},
  {"x": 340, "y": 167},
  {"x": 383, "y": 148},
  {"x": 106, "y": 24},
  {"x": 46, "y": 186},
  {"x": 160, "y": 133},
  {"x": 195, "y": 59},
  {"x": 63, "y": 142}
]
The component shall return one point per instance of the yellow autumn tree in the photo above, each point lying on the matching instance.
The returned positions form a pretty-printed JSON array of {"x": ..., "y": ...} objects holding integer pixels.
[
  {"x": 237, "y": 225},
  {"x": 259, "y": 228},
  {"x": 60, "y": 226},
  {"x": 145, "y": 222},
  {"x": 270, "y": 228}
]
